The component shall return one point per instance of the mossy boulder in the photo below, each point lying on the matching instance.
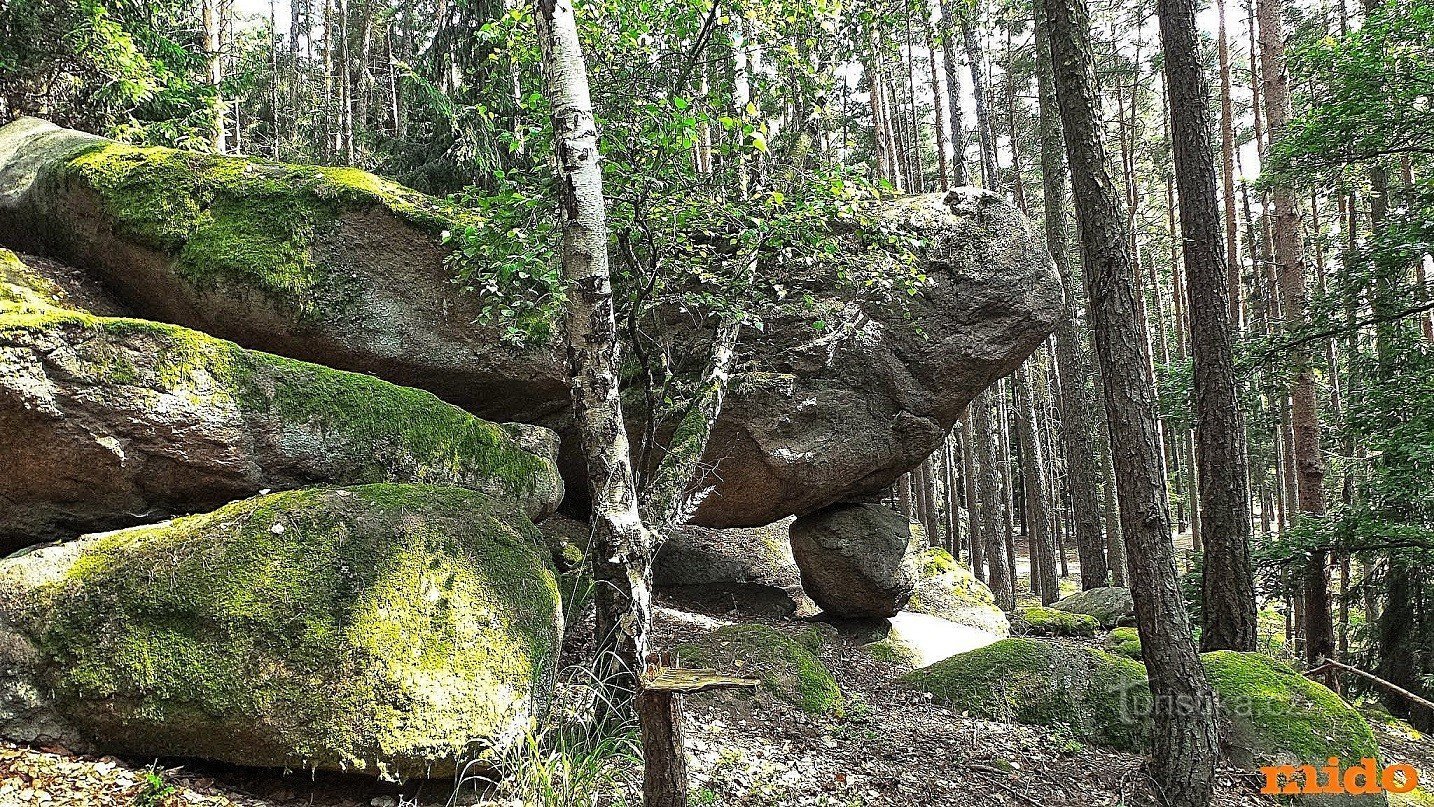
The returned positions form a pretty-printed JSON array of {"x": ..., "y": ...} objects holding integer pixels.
[
  {"x": 1275, "y": 715},
  {"x": 1098, "y": 697},
  {"x": 947, "y": 589},
  {"x": 1125, "y": 642},
  {"x": 1112, "y": 606},
  {"x": 1037, "y": 620},
  {"x": 395, "y": 630},
  {"x": 1270, "y": 714},
  {"x": 123, "y": 421},
  {"x": 332, "y": 265},
  {"x": 788, "y": 667}
]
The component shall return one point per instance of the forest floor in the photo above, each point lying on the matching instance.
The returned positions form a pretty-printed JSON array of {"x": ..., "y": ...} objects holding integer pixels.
[{"x": 892, "y": 748}]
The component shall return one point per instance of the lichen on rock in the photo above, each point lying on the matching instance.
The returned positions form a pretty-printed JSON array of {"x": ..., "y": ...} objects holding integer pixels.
[{"x": 947, "y": 589}]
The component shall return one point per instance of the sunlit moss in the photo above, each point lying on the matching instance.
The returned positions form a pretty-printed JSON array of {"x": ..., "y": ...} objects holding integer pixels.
[{"x": 241, "y": 222}]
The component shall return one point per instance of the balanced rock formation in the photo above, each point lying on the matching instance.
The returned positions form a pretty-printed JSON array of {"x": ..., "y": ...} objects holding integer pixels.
[
  {"x": 121, "y": 421},
  {"x": 339, "y": 267},
  {"x": 854, "y": 559},
  {"x": 395, "y": 630}
]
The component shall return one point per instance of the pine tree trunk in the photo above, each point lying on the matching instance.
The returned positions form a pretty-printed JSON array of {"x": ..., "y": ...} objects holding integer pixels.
[
  {"x": 942, "y": 164},
  {"x": 988, "y": 493},
  {"x": 953, "y": 96},
  {"x": 1289, "y": 262},
  {"x": 1184, "y": 741},
  {"x": 1229, "y": 580},
  {"x": 975, "y": 534},
  {"x": 1033, "y": 474},
  {"x": 622, "y": 546},
  {"x": 985, "y": 134},
  {"x": 1078, "y": 407}
]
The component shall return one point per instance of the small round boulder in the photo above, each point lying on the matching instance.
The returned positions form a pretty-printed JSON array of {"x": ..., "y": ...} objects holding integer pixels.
[{"x": 854, "y": 559}]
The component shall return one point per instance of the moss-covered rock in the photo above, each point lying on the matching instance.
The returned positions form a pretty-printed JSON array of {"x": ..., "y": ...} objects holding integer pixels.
[
  {"x": 388, "y": 629},
  {"x": 332, "y": 265},
  {"x": 1099, "y": 697},
  {"x": 1112, "y": 606},
  {"x": 126, "y": 420},
  {"x": 1124, "y": 641},
  {"x": 347, "y": 270},
  {"x": 1037, "y": 620},
  {"x": 947, "y": 589},
  {"x": 788, "y": 667},
  {"x": 1270, "y": 714},
  {"x": 1275, "y": 715}
]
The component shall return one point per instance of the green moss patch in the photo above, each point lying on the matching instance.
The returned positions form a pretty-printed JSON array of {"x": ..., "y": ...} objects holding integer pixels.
[
  {"x": 243, "y": 222},
  {"x": 1275, "y": 714},
  {"x": 1125, "y": 642},
  {"x": 1100, "y": 698},
  {"x": 21, "y": 290},
  {"x": 386, "y": 628},
  {"x": 789, "y": 669},
  {"x": 1038, "y": 620},
  {"x": 1270, "y": 713}
]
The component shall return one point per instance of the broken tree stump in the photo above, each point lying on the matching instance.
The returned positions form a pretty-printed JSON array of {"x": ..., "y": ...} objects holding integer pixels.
[{"x": 659, "y": 713}]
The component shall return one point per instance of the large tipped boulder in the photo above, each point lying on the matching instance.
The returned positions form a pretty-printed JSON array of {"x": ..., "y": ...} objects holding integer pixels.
[
  {"x": 854, "y": 559},
  {"x": 112, "y": 422},
  {"x": 831, "y": 400},
  {"x": 394, "y": 630}
]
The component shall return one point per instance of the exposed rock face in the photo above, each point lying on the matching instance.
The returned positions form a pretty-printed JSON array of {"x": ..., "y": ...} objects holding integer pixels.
[
  {"x": 745, "y": 569},
  {"x": 1112, "y": 606},
  {"x": 113, "y": 422},
  {"x": 395, "y": 630},
  {"x": 854, "y": 559},
  {"x": 339, "y": 267}
]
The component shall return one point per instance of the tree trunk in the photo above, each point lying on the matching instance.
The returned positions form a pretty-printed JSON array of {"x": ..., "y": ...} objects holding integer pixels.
[
  {"x": 1033, "y": 475},
  {"x": 622, "y": 546},
  {"x": 1229, "y": 579},
  {"x": 985, "y": 135},
  {"x": 943, "y": 171},
  {"x": 988, "y": 493},
  {"x": 214, "y": 68},
  {"x": 1290, "y": 267},
  {"x": 975, "y": 533},
  {"x": 1227, "y": 166},
  {"x": 1184, "y": 741},
  {"x": 953, "y": 95},
  {"x": 1078, "y": 407}
]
